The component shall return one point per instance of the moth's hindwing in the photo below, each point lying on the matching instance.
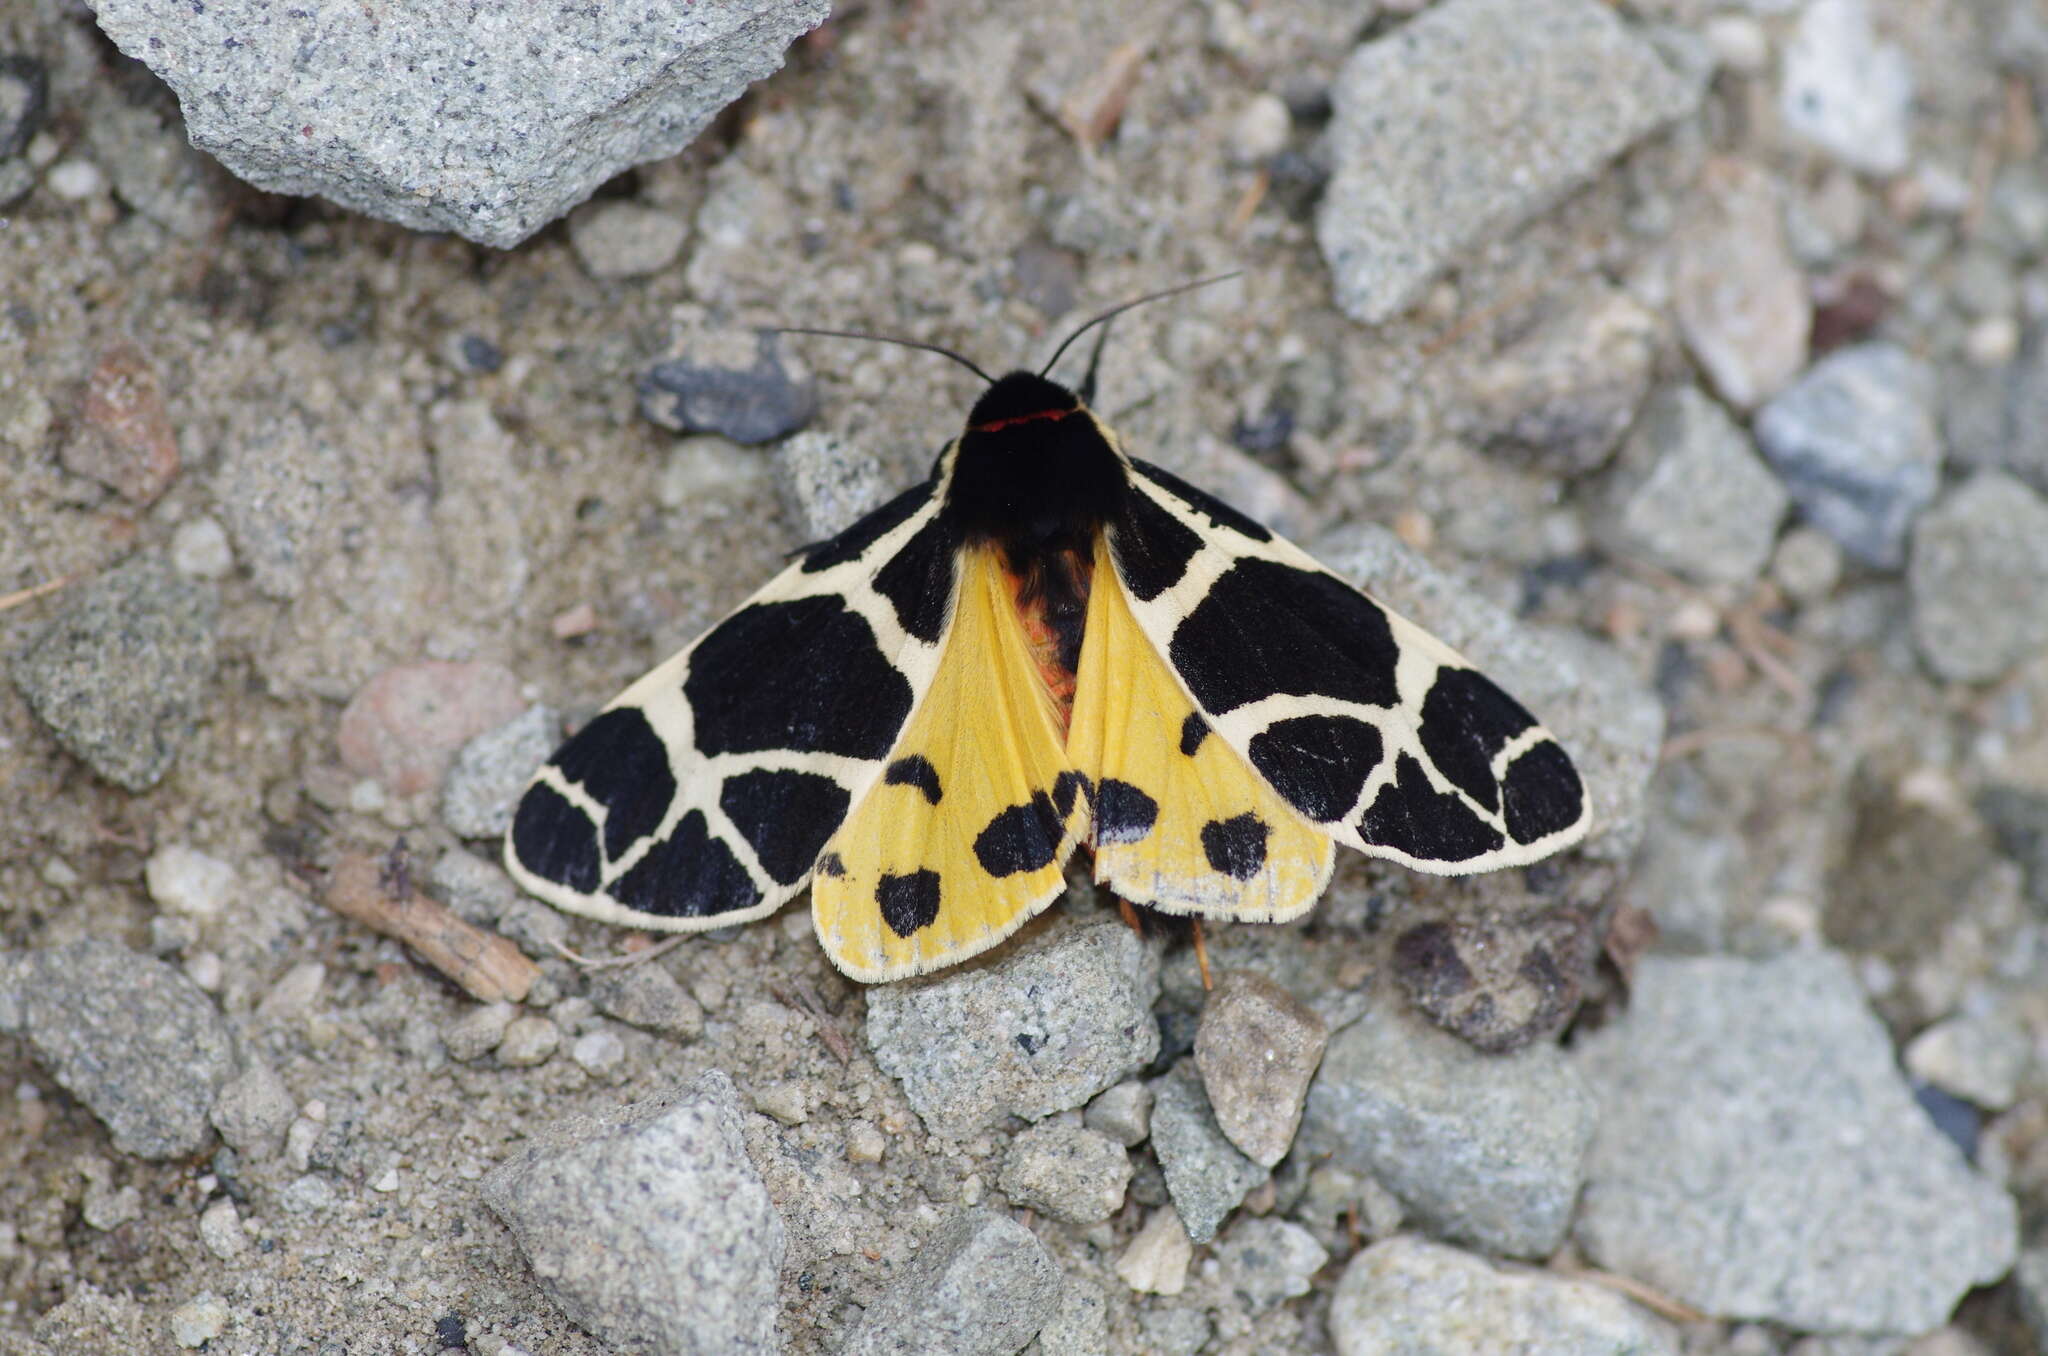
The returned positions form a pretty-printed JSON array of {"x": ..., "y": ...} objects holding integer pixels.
[
  {"x": 1372, "y": 729},
  {"x": 1182, "y": 823},
  {"x": 704, "y": 793},
  {"x": 963, "y": 837}
]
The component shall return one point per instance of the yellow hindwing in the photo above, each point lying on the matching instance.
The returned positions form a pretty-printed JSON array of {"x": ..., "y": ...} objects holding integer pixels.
[
  {"x": 1182, "y": 823},
  {"x": 963, "y": 838}
]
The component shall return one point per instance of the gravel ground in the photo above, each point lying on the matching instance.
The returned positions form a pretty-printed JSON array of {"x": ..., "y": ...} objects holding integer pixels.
[{"x": 1683, "y": 361}]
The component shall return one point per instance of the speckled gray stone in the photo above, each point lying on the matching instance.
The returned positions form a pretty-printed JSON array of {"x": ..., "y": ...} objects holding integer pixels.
[
  {"x": 1481, "y": 1149},
  {"x": 489, "y": 120},
  {"x": 1257, "y": 1047},
  {"x": 1066, "y": 1171},
  {"x": 650, "y": 1227},
  {"x": 121, "y": 675},
  {"x": 1265, "y": 1260},
  {"x": 253, "y": 1111},
  {"x": 484, "y": 782},
  {"x": 1587, "y": 693},
  {"x": 647, "y": 996},
  {"x": 981, "y": 1285},
  {"x": 1760, "y": 1157},
  {"x": 135, "y": 1040},
  {"x": 1408, "y": 1296},
  {"x": 1978, "y": 578},
  {"x": 1205, "y": 1173},
  {"x": 1467, "y": 121},
  {"x": 1055, "y": 1019},
  {"x": 828, "y": 481},
  {"x": 1856, "y": 443}
]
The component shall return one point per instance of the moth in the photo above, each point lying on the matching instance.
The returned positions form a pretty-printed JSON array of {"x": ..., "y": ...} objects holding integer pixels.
[{"x": 1048, "y": 643}]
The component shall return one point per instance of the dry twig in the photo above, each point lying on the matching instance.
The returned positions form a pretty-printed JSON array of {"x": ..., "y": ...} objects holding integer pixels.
[{"x": 485, "y": 965}]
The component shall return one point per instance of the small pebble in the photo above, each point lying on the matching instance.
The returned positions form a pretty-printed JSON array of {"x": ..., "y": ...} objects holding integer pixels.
[
  {"x": 1979, "y": 1059},
  {"x": 1739, "y": 42},
  {"x": 477, "y": 1032},
  {"x": 1808, "y": 564},
  {"x": 1261, "y": 130},
  {"x": 1123, "y": 1112},
  {"x": 528, "y": 1041},
  {"x": 1067, "y": 1171},
  {"x": 491, "y": 770},
  {"x": 1156, "y": 1262},
  {"x": 648, "y": 996},
  {"x": 1992, "y": 341},
  {"x": 405, "y": 726},
  {"x": 295, "y": 992},
  {"x": 599, "y": 1053},
  {"x": 623, "y": 239},
  {"x": 200, "y": 549},
  {"x": 786, "y": 1102},
  {"x": 189, "y": 881},
  {"x": 204, "y": 968},
  {"x": 198, "y": 1322},
  {"x": 123, "y": 436},
  {"x": 107, "y": 1207},
  {"x": 865, "y": 1143},
  {"x": 386, "y": 1183},
  {"x": 220, "y": 1229},
  {"x": 75, "y": 180},
  {"x": 1257, "y": 1047}
]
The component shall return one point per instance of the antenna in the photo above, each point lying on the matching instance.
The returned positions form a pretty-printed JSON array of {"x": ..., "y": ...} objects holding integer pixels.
[
  {"x": 886, "y": 339},
  {"x": 1116, "y": 311}
]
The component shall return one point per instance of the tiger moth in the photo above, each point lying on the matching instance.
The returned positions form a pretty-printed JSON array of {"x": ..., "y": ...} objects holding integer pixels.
[{"x": 1048, "y": 643}]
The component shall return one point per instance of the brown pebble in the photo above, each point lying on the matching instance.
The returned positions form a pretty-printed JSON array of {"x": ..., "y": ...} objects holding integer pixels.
[
  {"x": 124, "y": 438},
  {"x": 406, "y": 724}
]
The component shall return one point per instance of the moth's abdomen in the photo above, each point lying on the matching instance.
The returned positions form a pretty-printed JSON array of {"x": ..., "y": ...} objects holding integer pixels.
[{"x": 1050, "y": 592}]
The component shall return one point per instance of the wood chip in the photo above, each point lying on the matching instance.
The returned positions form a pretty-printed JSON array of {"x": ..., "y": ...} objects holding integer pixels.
[
  {"x": 487, "y": 966},
  {"x": 1094, "y": 107}
]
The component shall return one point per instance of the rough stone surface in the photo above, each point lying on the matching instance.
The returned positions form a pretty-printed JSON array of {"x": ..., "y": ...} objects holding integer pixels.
[
  {"x": 1856, "y": 444},
  {"x": 1846, "y": 92},
  {"x": 484, "y": 782},
  {"x": 1562, "y": 396},
  {"x": 621, "y": 239},
  {"x": 254, "y": 1110},
  {"x": 1123, "y": 1112},
  {"x": 1408, "y": 1296},
  {"x": 981, "y": 1285},
  {"x": 1257, "y": 1047},
  {"x": 122, "y": 675},
  {"x": 1690, "y": 495},
  {"x": 1979, "y": 1058},
  {"x": 1205, "y": 1174},
  {"x": 1759, "y": 1157},
  {"x": 1978, "y": 577},
  {"x": 1466, "y": 122},
  {"x": 749, "y": 399},
  {"x": 1740, "y": 298},
  {"x": 1080, "y": 1326},
  {"x": 650, "y": 1226},
  {"x": 133, "y": 1039},
  {"x": 1482, "y": 1149},
  {"x": 828, "y": 481},
  {"x": 1268, "y": 1260},
  {"x": 123, "y": 437},
  {"x": 405, "y": 726},
  {"x": 489, "y": 123},
  {"x": 647, "y": 996},
  {"x": 1067, "y": 1171},
  {"x": 1156, "y": 1261},
  {"x": 1043, "y": 1028},
  {"x": 1587, "y": 694}
]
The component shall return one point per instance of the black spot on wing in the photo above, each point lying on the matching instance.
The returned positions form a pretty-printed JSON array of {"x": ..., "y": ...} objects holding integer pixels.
[
  {"x": 1022, "y": 838},
  {"x": 917, "y": 771},
  {"x": 1123, "y": 813},
  {"x": 805, "y": 675},
  {"x": 1219, "y": 513},
  {"x": 1065, "y": 788},
  {"x": 689, "y": 874},
  {"x": 832, "y": 866},
  {"x": 1236, "y": 846},
  {"x": 908, "y": 902},
  {"x": 621, "y": 764},
  {"x": 849, "y": 544},
  {"x": 918, "y": 579},
  {"x": 786, "y": 816},
  {"x": 1411, "y": 816},
  {"x": 555, "y": 840},
  {"x": 1266, "y": 629},
  {"x": 1152, "y": 547},
  {"x": 1466, "y": 720},
  {"x": 1543, "y": 793},
  {"x": 1318, "y": 764},
  {"x": 1192, "y": 731}
]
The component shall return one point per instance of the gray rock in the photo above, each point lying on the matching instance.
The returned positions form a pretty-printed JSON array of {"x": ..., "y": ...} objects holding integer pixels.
[
  {"x": 828, "y": 482},
  {"x": 1690, "y": 495},
  {"x": 1174, "y": 1332},
  {"x": 1266, "y": 1260},
  {"x": 283, "y": 490},
  {"x": 621, "y": 239},
  {"x": 1080, "y": 1326},
  {"x": 1759, "y": 1156},
  {"x": 1123, "y": 1112},
  {"x": 647, "y": 996},
  {"x": 1481, "y": 1149},
  {"x": 749, "y": 399},
  {"x": 527, "y": 1041},
  {"x": 484, "y": 781},
  {"x": 1846, "y": 92},
  {"x": 1740, "y": 298},
  {"x": 1978, "y": 578},
  {"x": 479, "y": 890},
  {"x": 121, "y": 675},
  {"x": 650, "y": 1226},
  {"x": 1066, "y": 1171},
  {"x": 253, "y": 1111},
  {"x": 1562, "y": 396},
  {"x": 980, "y": 1286},
  {"x": 135, "y": 1040},
  {"x": 1205, "y": 1174},
  {"x": 477, "y": 1032},
  {"x": 2018, "y": 817},
  {"x": 1469, "y": 120},
  {"x": 2030, "y": 1279},
  {"x": 1856, "y": 444},
  {"x": 1410, "y": 1297},
  {"x": 489, "y": 126},
  {"x": 1979, "y": 1057},
  {"x": 1587, "y": 693},
  {"x": 1047, "y": 1025},
  {"x": 1257, "y": 1047}
]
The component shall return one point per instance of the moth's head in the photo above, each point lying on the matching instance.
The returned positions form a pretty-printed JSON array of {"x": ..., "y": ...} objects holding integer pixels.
[{"x": 1017, "y": 398}]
